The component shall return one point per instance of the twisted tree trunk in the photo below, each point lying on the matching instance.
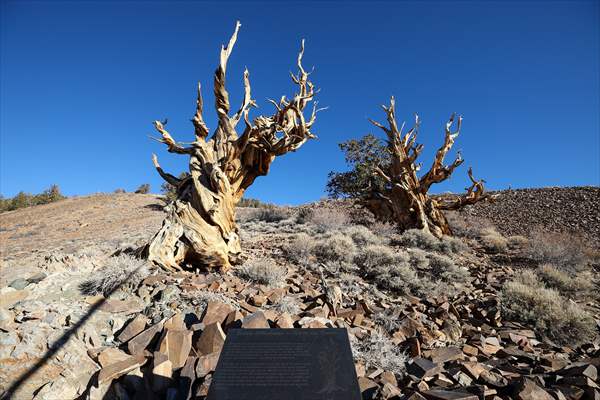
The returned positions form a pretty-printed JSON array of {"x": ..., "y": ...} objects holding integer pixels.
[
  {"x": 406, "y": 200},
  {"x": 200, "y": 227}
]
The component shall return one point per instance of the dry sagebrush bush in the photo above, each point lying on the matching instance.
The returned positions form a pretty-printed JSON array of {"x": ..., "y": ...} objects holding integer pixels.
[
  {"x": 299, "y": 249},
  {"x": 467, "y": 226},
  {"x": 265, "y": 272},
  {"x": 328, "y": 219},
  {"x": 426, "y": 241},
  {"x": 493, "y": 241},
  {"x": 362, "y": 236},
  {"x": 559, "y": 249},
  {"x": 527, "y": 300},
  {"x": 272, "y": 214},
  {"x": 118, "y": 272},
  {"x": 573, "y": 286},
  {"x": 443, "y": 268},
  {"x": 334, "y": 248},
  {"x": 378, "y": 351},
  {"x": 287, "y": 304},
  {"x": 383, "y": 229}
]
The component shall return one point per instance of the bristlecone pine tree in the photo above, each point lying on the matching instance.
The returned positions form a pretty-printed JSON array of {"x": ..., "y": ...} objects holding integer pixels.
[
  {"x": 200, "y": 228},
  {"x": 404, "y": 197}
]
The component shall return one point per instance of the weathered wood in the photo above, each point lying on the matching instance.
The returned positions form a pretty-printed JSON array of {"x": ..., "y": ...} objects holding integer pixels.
[
  {"x": 200, "y": 228},
  {"x": 405, "y": 199}
]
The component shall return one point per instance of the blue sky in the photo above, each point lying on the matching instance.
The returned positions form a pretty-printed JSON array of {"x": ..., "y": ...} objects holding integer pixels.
[{"x": 81, "y": 81}]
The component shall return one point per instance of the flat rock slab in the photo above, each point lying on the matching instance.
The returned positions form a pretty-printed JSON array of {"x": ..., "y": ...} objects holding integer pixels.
[{"x": 294, "y": 364}]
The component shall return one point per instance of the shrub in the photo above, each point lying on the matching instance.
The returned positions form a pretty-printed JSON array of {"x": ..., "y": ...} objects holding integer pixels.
[
  {"x": 119, "y": 190},
  {"x": 22, "y": 199},
  {"x": 143, "y": 189},
  {"x": 327, "y": 219},
  {"x": 578, "y": 286},
  {"x": 122, "y": 271},
  {"x": 334, "y": 248},
  {"x": 272, "y": 214},
  {"x": 517, "y": 241},
  {"x": 444, "y": 269},
  {"x": 266, "y": 272},
  {"x": 374, "y": 256},
  {"x": 559, "y": 249},
  {"x": 424, "y": 240},
  {"x": 467, "y": 226},
  {"x": 362, "y": 236},
  {"x": 287, "y": 304},
  {"x": 253, "y": 203},
  {"x": 493, "y": 241},
  {"x": 546, "y": 311},
  {"x": 378, "y": 351},
  {"x": 383, "y": 229},
  {"x": 299, "y": 249}
]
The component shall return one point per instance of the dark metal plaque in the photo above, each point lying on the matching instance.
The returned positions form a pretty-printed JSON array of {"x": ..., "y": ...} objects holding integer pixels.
[{"x": 291, "y": 364}]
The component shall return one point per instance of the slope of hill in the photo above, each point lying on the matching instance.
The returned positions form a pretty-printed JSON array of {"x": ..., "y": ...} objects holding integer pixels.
[
  {"x": 567, "y": 210},
  {"x": 480, "y": 316}
]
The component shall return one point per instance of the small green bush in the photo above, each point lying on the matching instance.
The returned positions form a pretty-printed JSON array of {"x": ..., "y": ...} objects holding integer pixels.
[
  {"x": 22, "y": 199},
  {"x": 143, "y": 189}
]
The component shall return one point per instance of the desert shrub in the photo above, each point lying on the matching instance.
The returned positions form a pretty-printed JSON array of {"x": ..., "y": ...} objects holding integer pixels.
[
  {"x": 120, "y": 272},
  {"x": 379, "y": 351},
  {"x": 22, "y": 199},
  {"x": 265, "y": 272},
  {"x": 335, "y": 250},
  {"x": 389, "y": 269},
  {"x": 120, "y": 190},
  {"x": 517, "y": 241},
  {"x": 546, "y": 311},
  {"x": 383, "y": 229},
  {"x": 170, "y": 191},
  {"x": 328, "y": 219},
  {"x": 572, "y": 286},
  {"x": 253, "y": 203},
  {"x": 287, "y": 304},
  {"x": 493, "y": 241},
  {"x": 272, "y": 214},
  {"x": 424, "y": 240},
  {"x": 388, "y": 319},
  {"x": 463, "y": 225},
  {"x": 299, "y": 249},
  {"x": 418, "y": 258},
  {"x": 362, "y": 236},
  {"x": 349, "y": 284},
  {"x": 443, "y": 268},
  {"x": 374, "y": 256},
  {"x": 143, "y": 189},
  {"x": 559, "y": 249}
]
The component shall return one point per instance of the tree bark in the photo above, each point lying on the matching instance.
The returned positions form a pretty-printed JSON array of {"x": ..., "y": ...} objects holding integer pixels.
[
  {"x": 406, "y": 200},
  {"x": 200, "y": 228}
]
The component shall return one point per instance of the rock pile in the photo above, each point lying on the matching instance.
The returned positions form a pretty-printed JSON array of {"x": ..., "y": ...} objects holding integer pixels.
[
  {"x": 565, "y": 210},
  {"x": 458, "y": 349}
]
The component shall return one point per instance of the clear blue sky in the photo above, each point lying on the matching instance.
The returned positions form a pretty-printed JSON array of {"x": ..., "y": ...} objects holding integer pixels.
[{"x": 81, "y": 82}]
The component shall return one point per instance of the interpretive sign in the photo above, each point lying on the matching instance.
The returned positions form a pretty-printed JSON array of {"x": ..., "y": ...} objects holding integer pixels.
[{"x": 291, "y": 364}]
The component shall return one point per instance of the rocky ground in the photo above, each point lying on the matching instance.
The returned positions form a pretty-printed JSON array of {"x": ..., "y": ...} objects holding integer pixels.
[
  {"x": 426, "y": 318},
  {"x": 567, "y": 210}
]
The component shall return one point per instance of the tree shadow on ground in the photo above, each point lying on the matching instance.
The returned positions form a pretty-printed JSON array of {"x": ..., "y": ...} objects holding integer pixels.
[{"x": 62, "y": 341}]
